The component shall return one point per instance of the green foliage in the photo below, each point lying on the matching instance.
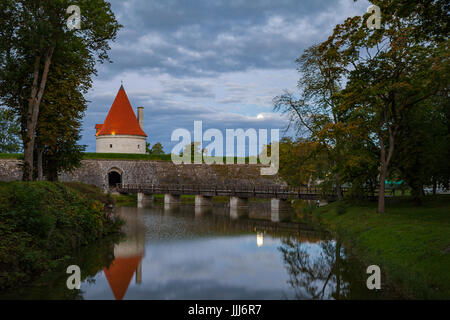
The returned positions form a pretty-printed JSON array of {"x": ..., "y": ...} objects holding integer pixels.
[
  {"x": 44, "y": 70},
  {"x": 376, "y": 100},
  {"x": 156, "y": 150},
  {"x": 424, "y": 147},
  {"x": 41, "y": 223},
  {"x": 90, "y": 192},
  {"x": 302, "y": 162},
  {"x": 61, "y": 113},
  {"x": 430, "y": 17}
]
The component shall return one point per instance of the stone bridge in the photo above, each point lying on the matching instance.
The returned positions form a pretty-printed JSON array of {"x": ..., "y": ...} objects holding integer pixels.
[{"x": 135, "y": 176}]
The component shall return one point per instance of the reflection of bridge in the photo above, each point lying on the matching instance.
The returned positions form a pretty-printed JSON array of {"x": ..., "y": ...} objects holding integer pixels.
[
  {"x": 239, "y": 195},
  {"x": 281, "y": 229}
]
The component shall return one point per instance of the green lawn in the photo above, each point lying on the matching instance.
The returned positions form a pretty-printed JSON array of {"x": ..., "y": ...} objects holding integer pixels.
[
  {"x": 411, "y": 244},
  {"x": 113, "y": 156},
  {"x": 164, "y": 157},
  {"x": 123, "y": 156},
  {"x": 11, "y": 156},
  {"x": 120, "y": 156}
]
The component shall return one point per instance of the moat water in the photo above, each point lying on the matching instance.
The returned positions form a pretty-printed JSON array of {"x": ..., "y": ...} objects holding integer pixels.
[{"x": 183, "y": 253}]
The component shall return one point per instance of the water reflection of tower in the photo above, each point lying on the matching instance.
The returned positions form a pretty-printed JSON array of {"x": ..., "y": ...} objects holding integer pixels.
[{"x": 128, "y": 254}]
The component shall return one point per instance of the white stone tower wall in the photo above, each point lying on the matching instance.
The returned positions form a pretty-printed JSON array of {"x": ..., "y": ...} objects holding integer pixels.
[{"x": 121, "y": 144}]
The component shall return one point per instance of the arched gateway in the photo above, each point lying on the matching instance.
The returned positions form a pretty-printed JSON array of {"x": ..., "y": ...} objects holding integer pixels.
[{"x": 114, "y": 177}]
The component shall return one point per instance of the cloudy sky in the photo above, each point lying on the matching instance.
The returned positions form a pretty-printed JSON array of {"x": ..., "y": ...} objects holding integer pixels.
[{"x": 218, "y": 61}]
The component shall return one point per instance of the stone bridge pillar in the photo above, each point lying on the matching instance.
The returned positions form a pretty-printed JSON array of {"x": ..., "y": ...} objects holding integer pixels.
[
  {"x": 203, "y": 205},
  {"x": 144, "y": 200},
  {"x": 238, "y": 207},
  {"x": 170, "y": 199},
  {"x": 203, "y": 201},
  {"x": 280, "y": 210}
]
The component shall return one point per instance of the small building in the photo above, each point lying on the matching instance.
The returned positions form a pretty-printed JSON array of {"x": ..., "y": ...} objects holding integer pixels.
[{"x": 122, "y": 131}]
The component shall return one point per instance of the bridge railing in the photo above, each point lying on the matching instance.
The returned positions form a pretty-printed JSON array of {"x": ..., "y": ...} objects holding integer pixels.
[
  {"x": 230, "y": 189},
  {"x": 233, "y": 189}
]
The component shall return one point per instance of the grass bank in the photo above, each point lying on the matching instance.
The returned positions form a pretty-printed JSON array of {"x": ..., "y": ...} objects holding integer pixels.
[
  {"x": 42, "y": 223},
  {"x": 15, "y": 156},
  {"x": 162, "y": 157},
  {"x": 120, "y": 156},
  {"x": 124, "y": 156},
  {"x": 410, "y": 244}
]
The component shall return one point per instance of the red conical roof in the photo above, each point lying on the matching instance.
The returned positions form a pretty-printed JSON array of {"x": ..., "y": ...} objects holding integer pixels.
[{"x": 121, "y": 119}]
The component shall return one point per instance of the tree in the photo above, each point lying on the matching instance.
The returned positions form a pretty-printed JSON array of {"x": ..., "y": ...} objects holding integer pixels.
[
  {"x": 34, "y": 31},
  {"x": 316, "y": 109},
  {"x": 62, "y": 110},
  {"x": 9, "y": 132},
  {"x": 389, "y": 71},
  {"x": 193, "y": 149},
  {"x": 430, "y": 19},
  {"x": 318, "y": 117},
  {"x": 157, "y": 149},
  {"x": 424, "y": 147},
  {"x": 359, "y": 89},
  {"x": 302, "y": 162}
]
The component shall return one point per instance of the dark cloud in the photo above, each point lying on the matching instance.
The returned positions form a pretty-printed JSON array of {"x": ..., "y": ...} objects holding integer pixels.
[
  {"x": 205, "y": 37},
  {"x": 219, "y": 61}
]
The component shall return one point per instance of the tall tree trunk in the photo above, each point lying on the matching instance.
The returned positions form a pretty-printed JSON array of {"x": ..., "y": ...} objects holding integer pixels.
[
  {"x": 337, "y": 181},
  {"x": 28, "y": 145},
  {"x": 384, "y": 165},
  {"x": 383, "y": 171},
  {"x": 40, "y": 152},
  {"x": 338, "y": 187},
  {"x": 37, "y": 91}
]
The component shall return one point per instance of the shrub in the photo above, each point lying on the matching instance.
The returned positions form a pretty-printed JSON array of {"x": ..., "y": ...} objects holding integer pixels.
[{"x": 41, "y": 223}]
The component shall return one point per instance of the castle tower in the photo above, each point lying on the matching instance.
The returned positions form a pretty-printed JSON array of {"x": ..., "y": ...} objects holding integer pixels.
[{"x": 122, "y": 131}]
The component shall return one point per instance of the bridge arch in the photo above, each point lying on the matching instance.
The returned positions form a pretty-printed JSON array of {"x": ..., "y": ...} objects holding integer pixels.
[{"x": 115, "y": 176}]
